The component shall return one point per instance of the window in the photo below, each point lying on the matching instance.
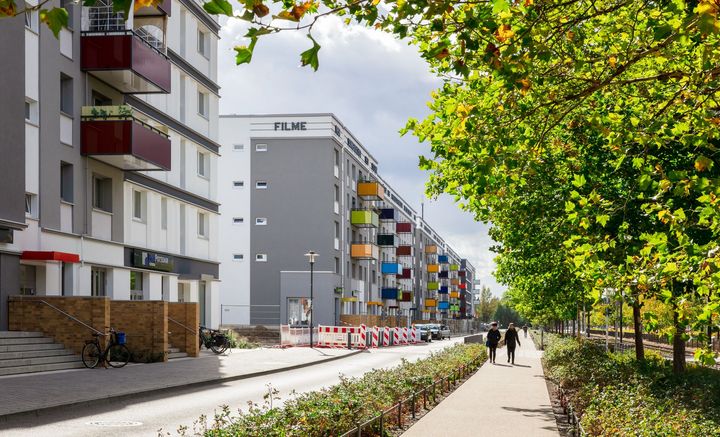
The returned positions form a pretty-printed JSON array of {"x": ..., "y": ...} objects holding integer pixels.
[
  {"x": 337, "y": 158},
  {"x": 203, "y": 43},
  {"x": 261, "y": 147},
  {"x": 238, "y": 147},
  {"x": 337, "y": 230},
  {"x": 261, "y": 221},
  {"x": 102, "y": 193},
  {"x": 136, "y": 285},
  {"x": 31, "y": 111},
  {"x": 337, "y": 265},
  {"x": 238, "y": 220},
  {"x": 203, "y": 104},
  {"x": 238, "y": 184},
  {"x": 202, "y": 164},
  {"x": 238, "y": 257},
  {"x": 31, "y": 18},
  {"x": 66, "y": 182},
  {"x": 163, "y": 213},
  {"x": 138, "y": 205},
  {"x": 261, "y": 185},
  {"x": 202, "y": 225},
  {"x": 337, "y": 130},
  {"x": 66, "y": 94},
  {"x": 261, "y": 257},
  {"x": 30, "y": 205},
  {"x": 97, "y": 282}
]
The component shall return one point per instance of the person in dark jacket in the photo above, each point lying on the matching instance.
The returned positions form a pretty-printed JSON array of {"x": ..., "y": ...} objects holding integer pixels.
[
  {"x": 511, "y": 338},
  {"x": 525, "y": 330},
  {"x": 493, "y": 338}
]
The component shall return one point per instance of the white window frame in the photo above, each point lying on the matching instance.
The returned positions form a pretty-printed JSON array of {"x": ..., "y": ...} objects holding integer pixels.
[
  {"x": 238, "y": 257},
  {"x": 203, "y": 104},
  {"x": 141, "y": 217},
  {"x": 261, "y": 257},
  {"x": 203, "y": 225},
  {"x": 262, "y": 147},
  {"x": 237, "y": 185},
  {"x": 164, "y": 213},
  {"x": 261, "y": 221},
  {"x": 31, "y": 19},
  {"x": 30, "y": 205},
  {"x": 261, "y": 185},
  {"x": 203, "y": 165},
  {"x": 203, "y": 43},
  {"x": 31, "y": 111}
]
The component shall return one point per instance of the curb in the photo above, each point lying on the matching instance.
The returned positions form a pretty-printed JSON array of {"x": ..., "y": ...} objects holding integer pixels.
[{"x": 167, "y": 389}]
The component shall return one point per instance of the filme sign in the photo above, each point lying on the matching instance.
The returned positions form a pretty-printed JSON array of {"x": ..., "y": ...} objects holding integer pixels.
[
  {"x": 292, "y": 125},
  {"x": 152, "y": 260}
]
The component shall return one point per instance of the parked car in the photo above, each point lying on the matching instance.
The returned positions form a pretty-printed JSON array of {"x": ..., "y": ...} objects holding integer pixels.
[
  {"x": 425, "y": 334},
  {"x": 444, "y": 332},
  {"x": 440, "y": 332},
  {"x": 435, "y": 331}
]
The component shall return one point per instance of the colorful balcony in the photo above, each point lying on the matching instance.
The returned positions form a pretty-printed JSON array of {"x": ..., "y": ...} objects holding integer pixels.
[
  {"x": 370, "y": 191},
  {"x": 433, "y": 268},
  {"x": 405, "y": 296},
  {"x": 444, "y": 289},
  {"x": 404, "y": 251},
  {"x": 364, "y": 218},
  {"x": 124, "y": 139},
  {"x": 443, "y": 306},
  {"x": 433, "y": 285},
  {"x": 387, "y": 240},
  {"x": 462, "y": 273},
  {"x": 454, "y": 281},
  {"x": 390, "y": 293},
  {"x": 454, "y": 307},
  {"x": 455, "y": 294},
  {"x": 403, "y": 228},
  {"x": 387, "y": 214},
  {"x": 406, "y": 274},
  {"x": 432, "y": 303},
  {"x": 364, "y": 251},
  {"x": 463, "y": 286},
  {"x": 431, "y": 249},
  {"x": 391, "y": 268},
  {"x": 443, "y": 259},
  {"x": 125, "y": 61},
  {"x": 443, "y": 274},
  {"x": 454, "y": 267}
]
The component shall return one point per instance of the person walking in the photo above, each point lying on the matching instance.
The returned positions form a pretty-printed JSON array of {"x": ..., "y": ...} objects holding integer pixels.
[
  {"x": 525, "y": 330},
  {"x": 511, "y": 337},
  {"x": 493, "y": 338}
]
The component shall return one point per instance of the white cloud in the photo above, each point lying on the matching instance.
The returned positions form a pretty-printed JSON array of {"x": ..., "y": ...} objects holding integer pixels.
[{"x": 373, "y": 83}]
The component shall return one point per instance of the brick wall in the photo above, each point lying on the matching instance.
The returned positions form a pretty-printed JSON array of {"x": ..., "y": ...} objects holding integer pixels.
[
  {"x": 28, "y": 313},
  {"x": 188, "y": 314},
  {"x": 145, "y": 325}
]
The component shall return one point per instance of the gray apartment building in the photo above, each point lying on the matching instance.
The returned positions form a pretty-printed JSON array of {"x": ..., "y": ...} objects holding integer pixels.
[{"x": 294, "y": 183}]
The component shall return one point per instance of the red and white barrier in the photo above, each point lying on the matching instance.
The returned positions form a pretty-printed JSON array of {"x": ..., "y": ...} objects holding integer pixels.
[
  {"x": 335, "y": 336},
  {"x": 363, "y": 336},
  {"x": 375, "y": 336},
  {"x": 360, "y": 337},
  {"x": 413, "y": 335},
  {"x": 290, "y": 336},
  {"x": 396, "y": 336},
  {"x": 386, "y": 336}
]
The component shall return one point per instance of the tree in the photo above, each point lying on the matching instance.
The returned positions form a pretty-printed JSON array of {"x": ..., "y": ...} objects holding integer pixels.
[{"x": 487, "y": 305}]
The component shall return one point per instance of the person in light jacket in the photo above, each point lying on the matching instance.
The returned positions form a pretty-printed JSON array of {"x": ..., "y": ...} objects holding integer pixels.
[
  {"x": 493, "y": 338},
  {"x": 511, "y": 338}
]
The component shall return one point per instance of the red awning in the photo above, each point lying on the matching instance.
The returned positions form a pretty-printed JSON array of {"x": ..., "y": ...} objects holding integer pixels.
[{"x": 31, "y": 255}]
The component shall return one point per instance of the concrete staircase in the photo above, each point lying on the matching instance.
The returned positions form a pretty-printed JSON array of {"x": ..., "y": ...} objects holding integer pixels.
[
  {"x": 174, "y": 353},
  {"x": 29, "y": 352}
]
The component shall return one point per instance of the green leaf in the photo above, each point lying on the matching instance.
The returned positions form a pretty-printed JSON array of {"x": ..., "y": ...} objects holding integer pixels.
[
  {"x": 122, "y": 6},
  {"x": 500, "y": 6},
  {"x": 602, "y": 219},
  {"x": 55, "y": 18},
  {"x": 243, "y": 55},
  {"x": 670, "y": 268},
  {"x": 218, "y": 7},
  {"x": 578, "y": 180},
  {"x": 310, "y": 56}
]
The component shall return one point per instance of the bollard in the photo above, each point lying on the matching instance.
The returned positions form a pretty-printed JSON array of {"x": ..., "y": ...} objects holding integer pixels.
[{"x": 349, "y": 340}]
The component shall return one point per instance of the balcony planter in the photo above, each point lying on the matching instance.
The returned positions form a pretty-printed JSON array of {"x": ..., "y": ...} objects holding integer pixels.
[
  {"x": 364, "y": 218},
  {"x": 391, "y": 268}
]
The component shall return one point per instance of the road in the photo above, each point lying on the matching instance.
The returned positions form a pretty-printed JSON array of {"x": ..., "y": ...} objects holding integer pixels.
[{"x": 145, "y": 416}]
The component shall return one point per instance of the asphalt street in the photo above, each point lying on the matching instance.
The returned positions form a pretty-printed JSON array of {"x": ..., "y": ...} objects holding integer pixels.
[{"x": 162, "y": 413}]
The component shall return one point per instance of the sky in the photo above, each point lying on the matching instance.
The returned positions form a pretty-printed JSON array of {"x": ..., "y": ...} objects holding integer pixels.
[{"x": 373, "y": 83}]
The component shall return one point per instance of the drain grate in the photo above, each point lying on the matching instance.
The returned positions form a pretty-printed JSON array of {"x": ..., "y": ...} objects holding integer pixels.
[{"x": 119, "y": 423}]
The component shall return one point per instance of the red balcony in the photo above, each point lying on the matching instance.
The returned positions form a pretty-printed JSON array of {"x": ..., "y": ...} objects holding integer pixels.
[
  {"x": 125, "y": 61},
  {"x": 114, "y": 135},
  {"x": 406, "y": 274},
  {"x": 403, "y": 251},
  {"x": 403, "y": 227}
]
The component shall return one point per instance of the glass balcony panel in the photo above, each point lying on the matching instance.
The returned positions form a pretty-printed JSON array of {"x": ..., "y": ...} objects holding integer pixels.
[
  {"x": 431, "y": 303},
  {"x": 370, "y": 191},
  {"x": 364, "y": 251},
  {"x": 433, "y": 285},
  {"x": 388, "y": 240},
  {"x": 391, "y": 268},
  {"x": 431, "y": 249},
  {"x": 387, "y": 214}
]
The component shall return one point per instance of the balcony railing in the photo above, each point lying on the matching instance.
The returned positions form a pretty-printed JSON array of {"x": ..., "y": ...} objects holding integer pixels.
[
  {"x": 406, "y": 273},
  {"x": 443, "y": 259},
  {"x": 364, "y": 218},
  {"x": 431, "y": 303},
  {"x": 433, "y": 285},
  {"x": 124, "y": 60},
  {"x": 390, "y": 293},
  {"x": 454, "y": 267},
  {"x": 387, "y": 214},
  {"x": 364, "y": 251},
  {"x": 431, "y": 249},
  {"x": 118, "y": 136},
  {"x": 387, "y": 240}
]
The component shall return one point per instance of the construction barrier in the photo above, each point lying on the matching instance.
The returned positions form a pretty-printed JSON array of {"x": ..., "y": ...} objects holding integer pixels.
[
  {"x": 357, "y": 337},
  {"x": 375, "y": 336},
  {"x": 396, "y": 336},
  {"x": 290, "y": 336},
  {"x": 413, "y": 335},
  {"x": 386, "y": 336}
]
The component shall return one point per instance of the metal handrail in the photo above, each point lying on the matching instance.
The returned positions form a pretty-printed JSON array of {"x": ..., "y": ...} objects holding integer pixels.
[
  {"x": 181, "y": 324},
  {"x": 70, "y": 316}
]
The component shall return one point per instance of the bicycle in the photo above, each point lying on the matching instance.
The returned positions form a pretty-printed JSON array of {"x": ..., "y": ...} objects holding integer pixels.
[
  {"x": 116, "y": 354},
  {"x": 214, "y": 340}
]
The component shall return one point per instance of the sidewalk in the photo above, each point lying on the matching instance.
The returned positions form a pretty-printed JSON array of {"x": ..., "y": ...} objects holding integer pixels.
[
  {"x": 31, "y": 393},
  {"x": 499, "y": 400}
]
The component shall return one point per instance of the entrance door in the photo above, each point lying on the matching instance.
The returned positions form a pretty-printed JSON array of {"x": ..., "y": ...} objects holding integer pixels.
[{"x": 201, "y": 301}]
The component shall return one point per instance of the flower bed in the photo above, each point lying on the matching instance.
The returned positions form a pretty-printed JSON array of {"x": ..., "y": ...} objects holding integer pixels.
[
  {"x": 338, "y": 409},
  {"x": 616, "y": 395}
]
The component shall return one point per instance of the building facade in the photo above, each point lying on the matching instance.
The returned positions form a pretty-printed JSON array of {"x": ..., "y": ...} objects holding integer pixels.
[
  {"x": 292, "y": 183},
  {"x": 112, "y": 185}
]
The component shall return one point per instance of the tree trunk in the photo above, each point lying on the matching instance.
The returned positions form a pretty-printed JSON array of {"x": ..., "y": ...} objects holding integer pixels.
[
  {"x": 637, "y": 324},
  {"x": 678, "y": 344}
]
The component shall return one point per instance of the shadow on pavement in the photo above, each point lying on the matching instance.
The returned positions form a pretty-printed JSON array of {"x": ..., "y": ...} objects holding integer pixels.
[{"x": 544, "y": 411}]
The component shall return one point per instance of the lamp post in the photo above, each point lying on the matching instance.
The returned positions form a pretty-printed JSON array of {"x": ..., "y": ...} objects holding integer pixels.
[{"x": 311, "y": 257}]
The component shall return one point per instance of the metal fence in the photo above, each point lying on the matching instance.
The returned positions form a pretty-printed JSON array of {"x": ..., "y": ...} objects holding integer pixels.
[{"x": 398, "y": 415}]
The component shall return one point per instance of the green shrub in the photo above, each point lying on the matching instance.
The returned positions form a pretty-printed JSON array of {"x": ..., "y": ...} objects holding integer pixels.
[
  {"x": 335, "y": 410},
  {"x": 237, "y": 342}
]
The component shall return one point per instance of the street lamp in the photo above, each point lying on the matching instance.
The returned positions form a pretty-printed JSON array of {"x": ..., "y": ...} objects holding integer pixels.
[{"x": 311, "y": 257}]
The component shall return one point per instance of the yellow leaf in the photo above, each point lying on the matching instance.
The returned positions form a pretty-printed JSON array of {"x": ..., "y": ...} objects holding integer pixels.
[
  {"x": 612, "y": 61},
  {"x": 375, "y": 2},
  {"x": 144, "y": 3},
  {"x": 504, "y": 33},
  {"x": 528, "y": 3}
]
